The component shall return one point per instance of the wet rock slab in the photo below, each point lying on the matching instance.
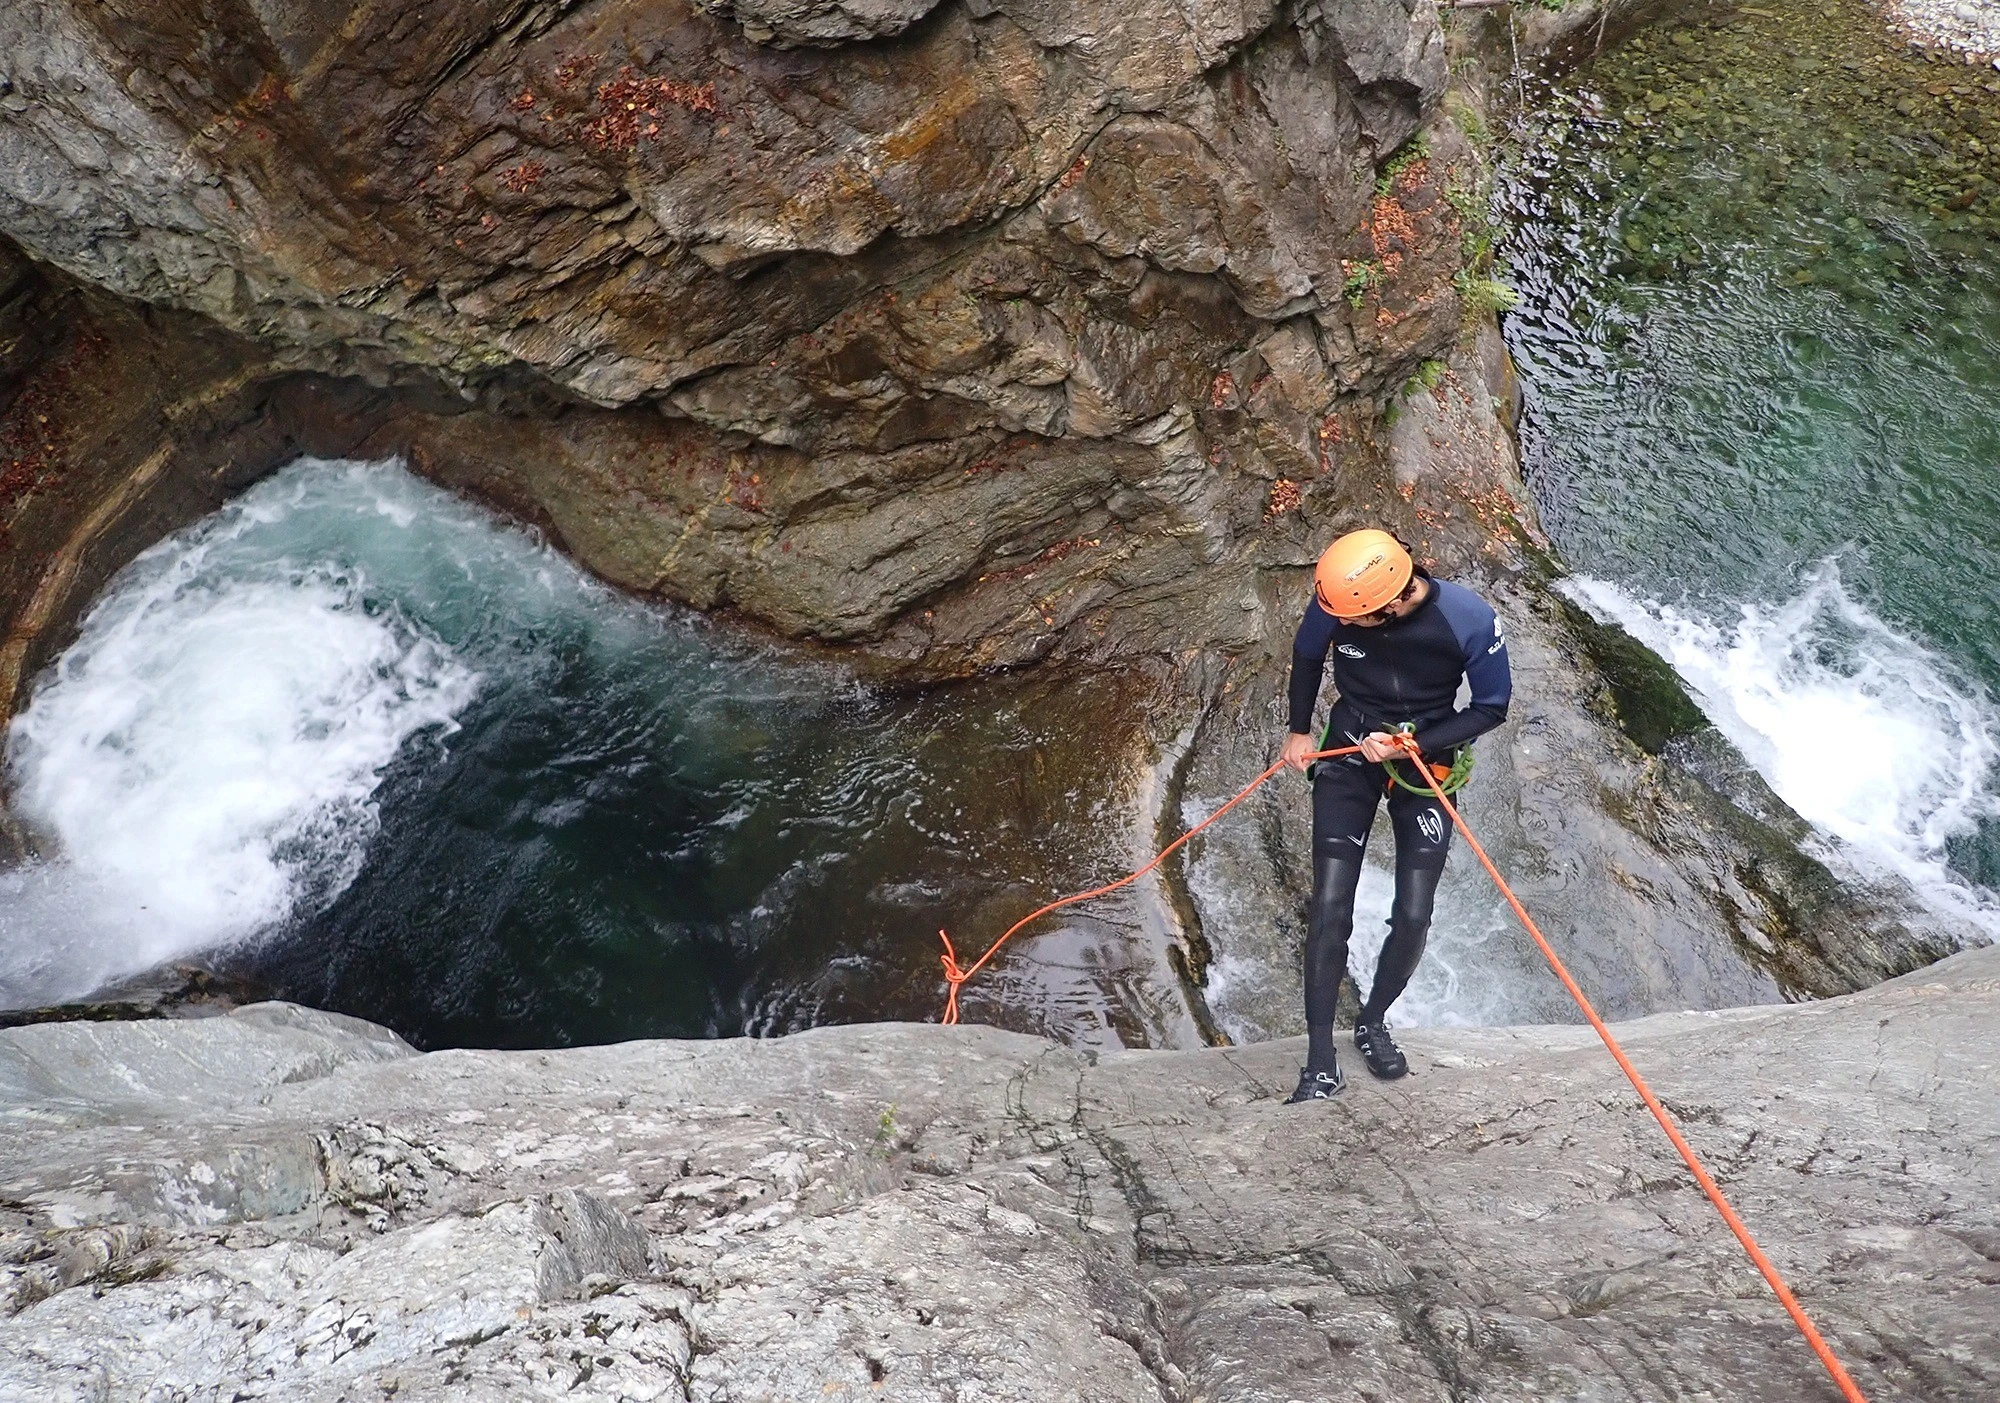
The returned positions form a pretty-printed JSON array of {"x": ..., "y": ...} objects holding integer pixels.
[{"x": 279, "y": 1202}]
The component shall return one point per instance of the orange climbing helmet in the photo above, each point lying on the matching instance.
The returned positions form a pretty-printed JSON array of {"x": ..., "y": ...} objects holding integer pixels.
[{"x": 1361, "y": 572}]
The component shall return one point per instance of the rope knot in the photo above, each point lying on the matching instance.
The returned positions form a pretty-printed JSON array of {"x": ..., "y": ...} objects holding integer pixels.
[{"x": 954, "y": 975}]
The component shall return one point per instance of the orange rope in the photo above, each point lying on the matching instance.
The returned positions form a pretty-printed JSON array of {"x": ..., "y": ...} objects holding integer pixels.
[
  {"x": 956, "y": 975},
  {"x": 1693, "y": 1161}
]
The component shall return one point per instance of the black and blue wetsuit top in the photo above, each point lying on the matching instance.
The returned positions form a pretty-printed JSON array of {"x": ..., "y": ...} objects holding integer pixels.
[{"x": 1407, "y": 670}]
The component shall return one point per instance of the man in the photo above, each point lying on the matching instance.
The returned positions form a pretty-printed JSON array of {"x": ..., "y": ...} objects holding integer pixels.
[{"x": 1400, "y": 642}]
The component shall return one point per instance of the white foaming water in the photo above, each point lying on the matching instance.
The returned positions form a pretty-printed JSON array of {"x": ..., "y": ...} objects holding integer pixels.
[
  {"x": 1870, "y": 737},
  {"x": 1465, "y": 924},
  {"x": 204, "y": 756}
]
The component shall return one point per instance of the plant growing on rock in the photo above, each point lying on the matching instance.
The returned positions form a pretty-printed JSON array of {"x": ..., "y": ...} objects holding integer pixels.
[
  {"x": 631, "y": 106},
  {"x": 1468, "y": 118},
  {"x": 1480, "y": 292},
  {"x": 1427, "y": 376},
  {"x": 1417, "y": 148},
  {"x": 1285, "y": 496},
  {"x": 1483, "y": 295},
  {"x": 1359, "y": 277}
]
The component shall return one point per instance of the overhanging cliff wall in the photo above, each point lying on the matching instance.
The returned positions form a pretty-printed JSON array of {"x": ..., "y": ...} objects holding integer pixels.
[{"x": 969, "y": 334}]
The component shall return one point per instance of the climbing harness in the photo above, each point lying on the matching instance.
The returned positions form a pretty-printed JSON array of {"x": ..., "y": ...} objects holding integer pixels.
[
  {"x": 956, "y": 975},
  {"x": 1450, "y": 778},
  {"x": 1453, "y": 776}
]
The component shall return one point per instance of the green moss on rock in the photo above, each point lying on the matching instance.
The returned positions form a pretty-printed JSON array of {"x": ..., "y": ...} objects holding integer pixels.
[{"x": 1652, "y": 704}]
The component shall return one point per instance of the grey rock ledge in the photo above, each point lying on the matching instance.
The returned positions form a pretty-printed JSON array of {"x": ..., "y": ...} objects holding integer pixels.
[{"x": 284, "y": 1203}]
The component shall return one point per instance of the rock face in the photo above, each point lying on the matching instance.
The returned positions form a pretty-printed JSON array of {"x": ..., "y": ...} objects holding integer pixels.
[
  {"x": 117, "y": 424},
  {"x": 1046, "y": 289},
  {"x": 279, "y": 1203},
  {"x": 963, "y": 335}
]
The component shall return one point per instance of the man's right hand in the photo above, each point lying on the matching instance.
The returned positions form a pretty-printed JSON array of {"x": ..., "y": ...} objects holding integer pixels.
[{"x": 1297, "y": 751}]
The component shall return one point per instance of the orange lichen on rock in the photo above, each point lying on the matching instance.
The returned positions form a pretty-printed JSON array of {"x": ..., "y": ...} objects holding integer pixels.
[
  {"x": 1073, "y": 174},
  {"x": 267, "y": 95},
  {"x": 1067, "y": 548},
  {"x": 1048, "y": 556},
  {"x": 1494, "y": 508},
  {"x": 630, "y": 99},
  {"x": 1392, "y": 231},
  {"x": 571, "y": 68},
  {"x": 1285, "y": 496},
  {"x": 745, "y": 491},
  {"x": 523, "y": 177},
  {"x": 1329, "y": 431}
]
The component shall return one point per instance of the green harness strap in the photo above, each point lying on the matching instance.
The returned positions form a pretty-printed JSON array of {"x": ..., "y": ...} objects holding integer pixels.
[{"x": 1461, "y": 771}]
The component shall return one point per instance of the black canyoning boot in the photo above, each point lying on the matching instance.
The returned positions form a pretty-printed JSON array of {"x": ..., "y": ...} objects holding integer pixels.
[
  {"x": 1379, "y": 1051},
  {"x": 1317, "y": 1086}
]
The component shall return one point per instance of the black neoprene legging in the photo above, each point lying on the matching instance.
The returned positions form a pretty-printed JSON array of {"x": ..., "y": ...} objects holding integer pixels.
[{"x": 1345, "y": 795}]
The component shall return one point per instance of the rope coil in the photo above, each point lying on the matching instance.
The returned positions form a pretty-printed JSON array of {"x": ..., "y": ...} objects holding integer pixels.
[
  {"x": 1452, "y": 777},
  {"x": 956, "y": 975}
]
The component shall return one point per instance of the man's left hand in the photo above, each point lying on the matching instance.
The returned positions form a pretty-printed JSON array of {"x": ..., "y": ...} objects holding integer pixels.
[{"x": 1383, "y": 746}]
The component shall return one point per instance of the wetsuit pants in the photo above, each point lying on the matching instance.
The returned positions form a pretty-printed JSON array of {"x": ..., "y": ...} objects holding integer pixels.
[{"x": 1345, "y": 795}]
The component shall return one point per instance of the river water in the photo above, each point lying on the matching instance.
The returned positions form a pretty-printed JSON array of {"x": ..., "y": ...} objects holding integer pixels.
[
  {"x": 358, "y": 740},
  {"x": 368, "y": 745},
  {"x": 1760, "y": 348}
]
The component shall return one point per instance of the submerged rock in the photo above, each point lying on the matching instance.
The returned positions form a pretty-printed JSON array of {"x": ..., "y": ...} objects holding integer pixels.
[
  {"x": 285, "y": 1203},
  {"x": 174, "y": 991},
  {"x": 1963, "y": 27}
]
